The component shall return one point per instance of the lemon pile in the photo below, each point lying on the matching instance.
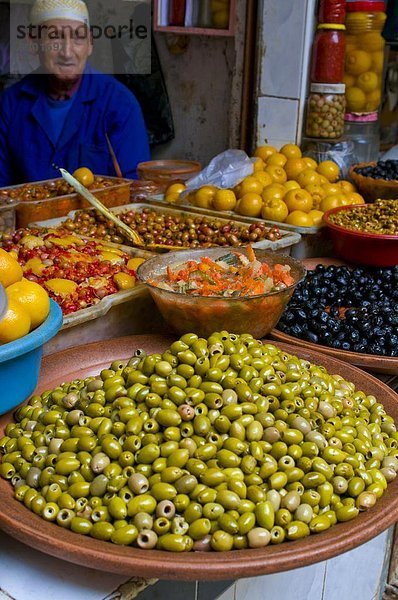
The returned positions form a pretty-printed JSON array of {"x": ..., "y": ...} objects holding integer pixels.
[
  {"x": 28, "y": 302},
  {"x": 285, "y": 187}
]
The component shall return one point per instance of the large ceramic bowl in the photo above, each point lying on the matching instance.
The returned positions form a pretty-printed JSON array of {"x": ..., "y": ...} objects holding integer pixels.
[
  {"x": 372, "y": 249},
  {"x": 20, "y": 361},
  {"x": 204, "y": 315},
  {"x": 84, "y": 361}
]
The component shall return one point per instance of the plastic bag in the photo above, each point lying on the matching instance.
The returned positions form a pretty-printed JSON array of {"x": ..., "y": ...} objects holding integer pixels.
[{"x": 225, "y": 170}]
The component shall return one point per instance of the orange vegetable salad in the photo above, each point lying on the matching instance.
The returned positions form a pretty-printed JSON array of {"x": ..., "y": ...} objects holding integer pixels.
[{"x": 232, "y": 275}]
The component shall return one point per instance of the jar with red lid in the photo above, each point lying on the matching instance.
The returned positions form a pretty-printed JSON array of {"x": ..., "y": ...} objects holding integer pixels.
[
  {"x": 328, "y": 53},
  {"x": 331, "y": 11}
]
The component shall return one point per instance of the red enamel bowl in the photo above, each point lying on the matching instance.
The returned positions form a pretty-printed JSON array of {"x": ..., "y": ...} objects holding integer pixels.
[{"x": 372, "y": 249}]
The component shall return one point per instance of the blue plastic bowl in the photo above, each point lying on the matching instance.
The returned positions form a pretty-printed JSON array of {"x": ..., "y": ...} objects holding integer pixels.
[{"x": 20, "y": 361}]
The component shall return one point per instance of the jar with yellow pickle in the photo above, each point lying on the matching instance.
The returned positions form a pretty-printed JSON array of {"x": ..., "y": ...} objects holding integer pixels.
[
  {"x": 364, "y": 55},
  {"x": 220, "y": 13}
]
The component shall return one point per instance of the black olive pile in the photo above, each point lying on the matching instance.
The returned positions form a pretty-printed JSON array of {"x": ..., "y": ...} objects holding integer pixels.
[
  {"x": 217, "y": 444},
  {"x": 347, "y": 309},
  {"x": 383, "y": 169}
]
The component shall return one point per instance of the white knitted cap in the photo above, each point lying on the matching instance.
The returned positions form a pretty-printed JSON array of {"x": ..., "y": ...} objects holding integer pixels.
[{"x": 47, "y": 10}]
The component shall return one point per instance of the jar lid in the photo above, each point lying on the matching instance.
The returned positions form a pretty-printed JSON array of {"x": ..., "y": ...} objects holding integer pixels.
[
  {"x": 331, "y": 26},
  {"x": 366, "y": 6},
  {"x": 361, "y": 117},
  {"x": 328, "y": 88}
]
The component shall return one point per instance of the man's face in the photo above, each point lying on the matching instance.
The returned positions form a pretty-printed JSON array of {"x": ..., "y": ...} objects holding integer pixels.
[{"x": 64, "y": 47}]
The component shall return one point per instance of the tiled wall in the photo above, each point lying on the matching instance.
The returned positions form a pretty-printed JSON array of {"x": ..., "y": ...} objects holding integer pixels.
[
  {"x": 26, "y": 574},
  {"x": 356, "y": 575},
  {"x": 285, "y": 39}
]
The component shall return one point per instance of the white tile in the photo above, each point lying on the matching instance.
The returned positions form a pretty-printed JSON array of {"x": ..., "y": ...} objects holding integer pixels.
[
  {"x": 356, "y": 574},
  {"x": 26, "y": 574},
  {"x": 284, "y": 26},
  {"x": 229, "y": 594},
  {"x": 301, "y": 584},
  {"x": 276, "y": 121}
]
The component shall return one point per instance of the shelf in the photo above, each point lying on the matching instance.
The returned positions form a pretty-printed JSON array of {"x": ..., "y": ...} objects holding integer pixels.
[
  {"x": 205, "y": 31},
  {"x": 193, "y": 30}
]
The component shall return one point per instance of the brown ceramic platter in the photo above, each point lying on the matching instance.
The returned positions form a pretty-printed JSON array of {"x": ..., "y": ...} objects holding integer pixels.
[
  {"x": 387, "y": 365},
  {"x": 19, "y": 522}
]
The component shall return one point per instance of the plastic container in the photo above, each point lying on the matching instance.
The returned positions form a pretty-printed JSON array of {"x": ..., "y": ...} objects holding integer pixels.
[
  {"x": 331, "y": 11},
  {"x": 325, "y": 111},
  {"x": 20, "y": 361},
  {"x": 364, "y": 59},
  {"x": 204, "y": 315},
  {"x": 364, "y": 132},
  {"x": 364, "y": 248},
  {"x": 328, "y": 52},
  {"x": 35, "y": 210},
  {"x": 165, "y": 172}
]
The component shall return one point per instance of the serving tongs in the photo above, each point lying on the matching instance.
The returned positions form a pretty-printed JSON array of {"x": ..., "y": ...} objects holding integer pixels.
[{"x": 130, "y": 234}]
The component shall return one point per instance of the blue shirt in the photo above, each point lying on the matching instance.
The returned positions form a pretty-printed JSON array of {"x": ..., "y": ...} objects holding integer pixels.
[
  {"x": 57, "y": 114},
  {"x": 28, "y": 147}
]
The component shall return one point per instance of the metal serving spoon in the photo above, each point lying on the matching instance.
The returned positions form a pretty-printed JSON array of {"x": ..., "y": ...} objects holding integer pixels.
[{"x": 131, "y": 234}]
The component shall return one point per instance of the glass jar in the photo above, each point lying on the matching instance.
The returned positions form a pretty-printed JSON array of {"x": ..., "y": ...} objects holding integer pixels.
[
  {"x": 325, "y": 111},
  {"x": 331, "y": 11},
  {"x": 220, "y": 13},
  {"x": 204, "y": 13},
  {"x": 364, "y": 57},
  {"x": 364, "y": 132},
  {"x": 328, "y": 52},
  {"x": 177, "y": 13}
]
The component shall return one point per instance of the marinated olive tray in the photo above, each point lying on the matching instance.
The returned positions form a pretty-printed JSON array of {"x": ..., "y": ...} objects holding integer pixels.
[
  {"x": 314, "y": 240},
  {"x": 19, "y": 522},
  {"x": 371, "y": 362},
  {"x": 29, "y": 210},
  {"x": 287, "y": 241},
  {"x": 126, "y": 312}
]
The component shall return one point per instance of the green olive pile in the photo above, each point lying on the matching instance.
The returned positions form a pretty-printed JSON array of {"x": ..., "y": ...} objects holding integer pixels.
[
  {"x": 185, "y": 230},
  {"x": 216, "y": 444},
  {"x": 381, "y": 217}
]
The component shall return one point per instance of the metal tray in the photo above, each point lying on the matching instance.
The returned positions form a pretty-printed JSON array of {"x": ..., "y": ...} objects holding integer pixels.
[
  {"x": 31, "y": 210},
  {"x": 314, "y": 240},
  {"x": 125, "y": 313},
  {"x": 286, "y": 243}
]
